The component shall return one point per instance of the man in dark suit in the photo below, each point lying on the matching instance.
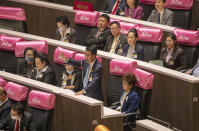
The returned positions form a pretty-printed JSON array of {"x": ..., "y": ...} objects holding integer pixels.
[
  {"x": 116, "y": 41},
  {"x": 65, "y": 32},
  {"x": 98, "y": 36},
  {"x": 116, "y": 7},
  {"x": 92, "y": 74},
  {"x": 5, "y": 104},
  {"x": 161, "y": 15},
  {"x": 18, "y": 120}
]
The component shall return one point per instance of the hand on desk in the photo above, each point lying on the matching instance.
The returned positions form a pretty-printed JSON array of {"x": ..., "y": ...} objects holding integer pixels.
[
  {"x": 80, "y": 92},
  {"x": 70, "y": 87}
]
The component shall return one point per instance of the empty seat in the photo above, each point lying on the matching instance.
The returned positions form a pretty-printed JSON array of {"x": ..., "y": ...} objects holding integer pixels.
[
  {"x": 85, "y": 21},
  {"x": 13, "y": 18},
  {"x": 2, "y": 82},
  {"x": 148, "y": 6},
  {"x": 59, "y": 61},
  {"x": 117, "y": 69},
  {"x": 188, "y": 40},
  {"x": 7, "y": 56},
  {"x": 150, "y": 39},
  {"x": 42, "y": 108},
  {"x": 16, "y": 92},
  {"x": 182, "y": 12}
]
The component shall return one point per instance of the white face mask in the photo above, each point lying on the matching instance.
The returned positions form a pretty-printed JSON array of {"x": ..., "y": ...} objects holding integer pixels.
[
  {"x": 15, "y": 117},
  {"x": 62, "y": 28},
  {"x": 1, "y": 103},
  {"x": 70, "y": 72}
]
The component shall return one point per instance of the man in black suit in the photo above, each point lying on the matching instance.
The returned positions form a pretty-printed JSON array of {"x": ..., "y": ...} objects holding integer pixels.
[
  {"x": 18, "y": 120},
  {"x": 116, "y": 41},
  {"x": 98, "y": 36},
  {"x": 92, "y": 74},
  {"x": 161, "y": 15},
  {"x": 5, "y": 104}
]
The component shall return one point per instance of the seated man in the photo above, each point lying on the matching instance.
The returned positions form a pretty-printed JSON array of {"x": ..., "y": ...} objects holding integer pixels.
[
  {"x": 5, "y": 104},
  {"x": 116, "y": 41},
  {"x": 116, "y": 7},
  {"x": 98, "y": 36},
  {"x": 129, "y": 101},
  {"x": 18, "y": 120},
  {"x": 92, "y": 74},
  {"x": 65, "y": 32},
  {"x": 161, "y": 15},
  {"x": 194, "y": 71}
]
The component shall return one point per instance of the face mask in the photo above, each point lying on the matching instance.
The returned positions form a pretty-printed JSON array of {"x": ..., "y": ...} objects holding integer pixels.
[
  {"x": 62, "y": 28},
  {"x": 1, "y": 103},
  {"x": 70, "y": 72},
  {"x": 15, "y": 117},
  {"x": 29, "y": 59}
]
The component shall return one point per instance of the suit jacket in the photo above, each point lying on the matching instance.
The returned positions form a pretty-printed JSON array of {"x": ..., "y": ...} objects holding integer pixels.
[
  {"x": 77, "y": 81},
  {"x": 93, "y": 88},
  {"x": 192, "y": 69},
  {"x": 131, "y": 103},
  {"x": 137, "y": 13},
  {"x": 26, "y": 123},
  {"x": 119, "y": 9},
  {"x": 178, "y": 60},
  {"x": 71, "y": 37},
  {"x": 139, "y": 50},
  {"x": 100, "y": 41},
  {"x": 167, "y": 17},
  {"x": 5, "y": 110},
  {"x": 47, "y": 77},
  {"x": 121, "y": 43},
  {"x": 22, "y": 67}
]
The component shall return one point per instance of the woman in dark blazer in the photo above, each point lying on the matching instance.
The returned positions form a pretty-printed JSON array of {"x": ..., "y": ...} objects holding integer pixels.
[
  {"x": 71, "y": 78},
  {"x": 129, "y": 100},
  {"x": 133, "y": 49},
  {"x": 26, "y": 65},
  {"x": 43, "y": 71},
  {"x": 133, "y": 10},
  {"x": 173, "y": 56}
]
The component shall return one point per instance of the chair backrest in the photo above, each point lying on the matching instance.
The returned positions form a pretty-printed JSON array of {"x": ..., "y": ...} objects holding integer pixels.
[
  {"x": 125, "y": 27},
  {"x": 182, "y": 12},
  {"x": 112, "y": 19},
  {"x": 85, "y": 21},
  {"x": 150, "y": 39},
  {"x": 41, "y": 107},
  {"x": 81, "y": 56},
  {"x": 7, "y": 56},
  {"x": 82, "y": 5},
  {"x": 148, "y": 6},
  {"x": 117, "y": 69},
  {"x": 16, "y": 92},
  {"x": 59, "y": 62},
  {"x": 40, "y": 46},
  {"x": 144, "y": 89},
  {"x": 188, "y": 40},
  {"x": 12, "y": 18},
  {"x": 2, "y": 82}
]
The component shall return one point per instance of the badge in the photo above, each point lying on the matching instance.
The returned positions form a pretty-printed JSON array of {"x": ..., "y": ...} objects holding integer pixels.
[
  {"x": 120, "y": 51},
  {"x": 40, "y": 75},
  {"x": 64, "y": 83},
  {"x": 171, "y": 62},
  {"x": 90, "y": 79},
  {"x": 134, "y": 55},
  {"x": 122, "y": 13}
]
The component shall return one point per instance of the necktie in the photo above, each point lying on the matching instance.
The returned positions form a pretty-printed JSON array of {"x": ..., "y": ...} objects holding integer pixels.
[
  {"x": 17, "y": 125},
  {"x": 98, "y": 33},
  {"x": 158, "y": 18},
  {"x": 86, "y": 76},
  {"x": 115, "y": 7}
]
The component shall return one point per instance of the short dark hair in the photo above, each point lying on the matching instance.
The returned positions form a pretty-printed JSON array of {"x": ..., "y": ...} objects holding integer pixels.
[
  {"x": 115, "y": 22},
  {"x": 130, "y": 78},
  {"x": 171, "y": 35},
  {"x": 19, "y": 107},
  {"x": 32, "y": 49},
  {"x": 133, "y": 30},
  {"x": 164, "y": 1},
  {"x": 135, "y": 4},
  {"x": 63, "y": 19},
  {"x": 92, "y": 49},
  {"x": 43, "y": 58},
  {"x": 106, "y": 17}
]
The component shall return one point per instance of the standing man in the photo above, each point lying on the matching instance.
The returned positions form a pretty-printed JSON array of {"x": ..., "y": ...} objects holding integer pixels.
[
  {"x": 98, "y": 36},
  {"x": 116, "y": 7},
  {"x": 92, "y": 74}
]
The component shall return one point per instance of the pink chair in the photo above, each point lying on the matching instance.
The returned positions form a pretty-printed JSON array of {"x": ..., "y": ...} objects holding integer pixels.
[
  {"x": 117, "y": 69},
  {"x": 16, "y": 92},
  {"x": 13, "y": 18},
  {"x": 188, "y": 40},
  {"x": 125, "y": 27},
  {"x": 2, "y": 82},
  {"x": 42, "y": 108},
  {"x": 40, "y": 46}
]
